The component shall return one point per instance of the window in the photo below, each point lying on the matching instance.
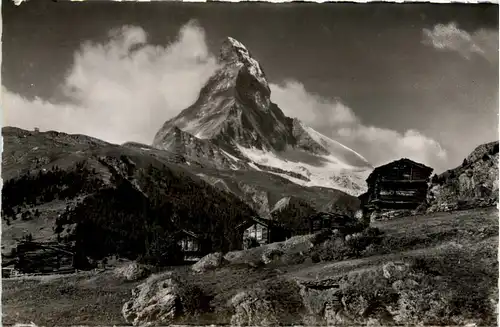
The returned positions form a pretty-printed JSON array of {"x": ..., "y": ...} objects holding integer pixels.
[{"x": 259, "y": 234}]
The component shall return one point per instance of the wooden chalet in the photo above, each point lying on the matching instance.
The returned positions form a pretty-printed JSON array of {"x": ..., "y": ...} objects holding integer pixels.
[
  {"x": 264, "y": 231},
  {"x": 191, "y": 245},
  {"x": 42, "y": 257},
  {"x": 401, "y": 184}
]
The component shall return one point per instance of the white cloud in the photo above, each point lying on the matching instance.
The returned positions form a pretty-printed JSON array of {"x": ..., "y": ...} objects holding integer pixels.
[
  {"x": 124, "y": 89},
  {"x": 310, "y": 108},
  {"x": 382, "y": 145},
  {"x": 378, "y": 145},
  {"x": 449, "y": 37}
]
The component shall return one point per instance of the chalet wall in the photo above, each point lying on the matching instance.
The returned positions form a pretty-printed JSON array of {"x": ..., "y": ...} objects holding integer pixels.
[
  {"x": 402, "y": 184},
  {"x": 257, "y": 231},
  {"x": 190, "y": 244}
]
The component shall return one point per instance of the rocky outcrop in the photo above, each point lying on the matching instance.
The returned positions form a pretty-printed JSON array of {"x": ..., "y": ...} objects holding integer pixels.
[
  {"x": 161, "y": 300},
  {"x": 473, "y": 184}
]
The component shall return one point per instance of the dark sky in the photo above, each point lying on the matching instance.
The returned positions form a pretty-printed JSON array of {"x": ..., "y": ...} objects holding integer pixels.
[{"x": 371, "y": 56}]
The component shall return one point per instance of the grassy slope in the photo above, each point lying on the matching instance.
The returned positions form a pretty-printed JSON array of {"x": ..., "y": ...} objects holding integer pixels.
[{"x": 461, "y": 247}]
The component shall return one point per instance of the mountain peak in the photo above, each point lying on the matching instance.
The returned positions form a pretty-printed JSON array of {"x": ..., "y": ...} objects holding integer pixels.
[{"x": 234, "y": 53}]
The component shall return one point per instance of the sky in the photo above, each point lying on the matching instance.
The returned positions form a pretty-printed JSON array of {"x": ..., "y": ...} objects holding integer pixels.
[{"x": 388, "y": 80}]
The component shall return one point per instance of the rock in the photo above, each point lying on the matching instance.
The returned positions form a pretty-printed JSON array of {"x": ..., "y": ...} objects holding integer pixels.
[
  {"x": 333, "y": 315},
  {"x": 158, "y": 301},
  {"x": 252, "y": 309},
  {"x": 210, "y": 261},
  {"x": 356, "y": 305},
  {"x": 400, "y": 285},
  {"x": 271, "y": 255},
  {"x": 395, "y": 270},
  {"x": 133, "y": 271}
]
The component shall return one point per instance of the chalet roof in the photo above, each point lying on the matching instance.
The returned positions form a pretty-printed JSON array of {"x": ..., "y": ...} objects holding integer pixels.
[
  {"x": 407, "y": 161},
  {"x": 189, "y": 233}
]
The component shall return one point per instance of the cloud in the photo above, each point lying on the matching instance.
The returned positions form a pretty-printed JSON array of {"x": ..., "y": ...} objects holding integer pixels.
[
  {"x": 123, "y": 89},
  {"x": 382, "y": 145},
  {"x": 483, "y": 42},
  {"x": 310, "y": 108},
  {"x": 331, "y": 116}
]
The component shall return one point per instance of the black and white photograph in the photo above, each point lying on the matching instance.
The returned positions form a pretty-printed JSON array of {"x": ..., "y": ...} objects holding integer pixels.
[{"x": 172, "y": 163}]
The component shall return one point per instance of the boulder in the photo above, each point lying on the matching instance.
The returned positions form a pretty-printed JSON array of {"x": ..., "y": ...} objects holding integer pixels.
[
  {"x": 252, "y": 309},
  {"x": 271, "y": 255},
  {"x": 133, "y": 271},
  {"x": 395, "y": 270},
  {"x": 210, "y": 261},
  {"x": 160, "y": 300}
]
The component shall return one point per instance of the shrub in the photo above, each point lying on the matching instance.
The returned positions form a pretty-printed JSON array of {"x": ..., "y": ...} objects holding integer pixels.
[
  {"x": 321, "y": 236},
  {"x": 250, "y": 242},
  {"x": 338, "y": 247}
]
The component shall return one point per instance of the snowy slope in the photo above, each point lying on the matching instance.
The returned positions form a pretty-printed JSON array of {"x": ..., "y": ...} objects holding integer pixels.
[{"x": 328, "y": 172}]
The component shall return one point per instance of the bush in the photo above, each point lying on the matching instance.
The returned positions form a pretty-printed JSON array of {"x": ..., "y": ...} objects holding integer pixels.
[
  {"x": 320, "y": 237},
  {"x": 250, "y": 242},
  {"x": 338, "y": 247}
]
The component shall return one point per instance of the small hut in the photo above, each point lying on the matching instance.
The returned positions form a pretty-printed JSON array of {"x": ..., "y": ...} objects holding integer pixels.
[{"x": 401, "y": 184}]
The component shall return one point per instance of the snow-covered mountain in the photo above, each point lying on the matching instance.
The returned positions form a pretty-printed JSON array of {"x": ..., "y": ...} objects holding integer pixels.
[{"x": 234, "y": 125}]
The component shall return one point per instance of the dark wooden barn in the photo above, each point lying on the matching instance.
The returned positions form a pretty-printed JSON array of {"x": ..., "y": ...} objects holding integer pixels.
[
  {"x": 264, "y": 231},
  {"x": 401, "y": 184}
]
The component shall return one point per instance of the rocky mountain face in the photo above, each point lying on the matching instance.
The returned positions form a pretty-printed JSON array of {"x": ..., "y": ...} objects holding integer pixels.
[
  {"x": 473, "y": 184},
  {"x": 234, "y": 125}
]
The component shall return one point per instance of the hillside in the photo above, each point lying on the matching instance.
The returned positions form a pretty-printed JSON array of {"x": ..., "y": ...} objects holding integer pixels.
[
  {"x": 260, "y": 189},
  {"x": 438, "y": 269}
]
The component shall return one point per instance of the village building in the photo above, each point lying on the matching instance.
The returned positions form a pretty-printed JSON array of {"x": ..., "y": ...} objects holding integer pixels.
[
  {"x": 264, "y": 231},
  {"x": 191, "y": 245},
  {"x": 42, "y": 257},
  {"x": 401, "y": 184}
]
